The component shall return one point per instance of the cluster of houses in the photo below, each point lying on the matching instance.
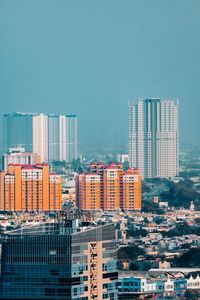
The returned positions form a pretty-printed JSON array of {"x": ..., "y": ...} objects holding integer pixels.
[
  {"x": 153, "y": 237},
  {"x": 158, "y": 282},
  {"x": 155, "y": 244}
]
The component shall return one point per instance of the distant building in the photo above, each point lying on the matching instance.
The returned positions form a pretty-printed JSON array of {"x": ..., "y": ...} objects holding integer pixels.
[
  {"x": 154, "y": 137},
  {"x": 55, "y": 130},
  {"x": 164, "y": 264},
  {"x": 158, "y": 284},
  {"x": 18, "y": 131},
  {"x": 192, "y": 208},
  {"x": 62, "y": 134},
  {"x": 122, "y": 158},
  {"x": 30, "y": 188},
  {"x": 58, "y": 261},
  {"x": 26, "y": 130},
  {"x": 40, "y": 136},
  {"x": 88, "y": 191},
  {"x": 130, "y": 284},
  {"x": 19, "y": 156},
  {"x": 156, "y": 199},
  {"x": 113, "y": 187},
  {"x": 163, "y": 204},
  {"x": 71, "y": 137},
  {"x": 109, "y": 188},
  {"x": 53, "y": 137}
]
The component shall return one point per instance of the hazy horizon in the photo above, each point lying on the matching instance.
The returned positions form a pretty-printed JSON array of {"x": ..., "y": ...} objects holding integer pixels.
[{"x": 91, "y": 57}]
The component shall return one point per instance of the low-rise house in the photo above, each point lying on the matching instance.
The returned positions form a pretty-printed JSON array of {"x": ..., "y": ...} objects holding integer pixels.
[
  {"x": 155, "y": 282},
  {"x": 193, "y": 282}
]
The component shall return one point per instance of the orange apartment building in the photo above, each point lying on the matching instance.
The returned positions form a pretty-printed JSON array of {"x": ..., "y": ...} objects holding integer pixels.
[
  {"x": 109, "y": 188},
  {"x": 132, "y": 190},
  {"x": 113, "y": 192},
  {"x": 30, "y": 188},
  {"x": 88, "y": 191}
]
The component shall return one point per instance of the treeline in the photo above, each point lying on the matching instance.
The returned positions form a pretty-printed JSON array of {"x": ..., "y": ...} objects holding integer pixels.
[
  {"x": 190, "y": 259},
  {"x": 182, "y": 229},
  {"x": 181, "y": 194},
  {"x": 129, "y": 252}
]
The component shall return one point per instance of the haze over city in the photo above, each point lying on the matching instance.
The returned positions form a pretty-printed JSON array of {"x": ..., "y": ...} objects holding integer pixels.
[
  {"x": 91, "y": 57},
  {"x": 99, "y": 149}
]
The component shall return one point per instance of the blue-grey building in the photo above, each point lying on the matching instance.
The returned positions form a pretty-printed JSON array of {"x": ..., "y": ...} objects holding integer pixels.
[{"x": 59, "y": 261}]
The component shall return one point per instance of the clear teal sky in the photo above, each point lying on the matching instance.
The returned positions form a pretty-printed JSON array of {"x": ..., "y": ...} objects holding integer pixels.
[{"x": 89, "y": 57}]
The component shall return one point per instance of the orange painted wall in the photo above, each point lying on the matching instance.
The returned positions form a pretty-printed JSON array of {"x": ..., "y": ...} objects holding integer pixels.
[{"x": 21, "y": 190}]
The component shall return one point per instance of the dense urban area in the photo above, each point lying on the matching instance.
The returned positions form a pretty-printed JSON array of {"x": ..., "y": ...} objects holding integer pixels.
[
  {"x": 151, "y": 250},
  {"x": 99, "y": 150}
]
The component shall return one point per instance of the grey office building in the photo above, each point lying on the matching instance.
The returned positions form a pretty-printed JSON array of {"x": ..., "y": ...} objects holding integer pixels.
[
  {"x": 71, "y": 141},
  {"x": 18, "y": 131},
  {"x": 54, "y": 137},
  {"x": 59, "y": 261}
]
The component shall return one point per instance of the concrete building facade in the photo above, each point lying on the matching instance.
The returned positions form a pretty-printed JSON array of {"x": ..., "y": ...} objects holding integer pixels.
[
  {"x": 19, "y": 156},
  {"x": 154, "y": 137}
]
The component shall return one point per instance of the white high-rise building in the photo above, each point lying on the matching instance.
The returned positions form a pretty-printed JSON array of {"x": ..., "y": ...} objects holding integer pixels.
[
  {"x": 28, "y": 131},
  {"x": 53, "y": 137},
  {"x": 62, "y": 137},
  {"x": 154, "y": 137},
  {"x": 40, "y": 136},
  {"x": 71, "y": 137}
]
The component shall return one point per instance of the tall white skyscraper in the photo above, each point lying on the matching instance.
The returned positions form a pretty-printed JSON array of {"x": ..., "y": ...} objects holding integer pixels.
[
  {"x": 40, "y": 136},
  {"x": 71, "y": 137},
  {"x": 53, "y": 137},
  {"x": 154, "y": 137},
  {"x": 62, "y": 137}
]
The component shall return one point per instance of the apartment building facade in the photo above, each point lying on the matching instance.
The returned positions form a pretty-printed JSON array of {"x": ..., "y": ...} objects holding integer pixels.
[
  {"x": 30, "y": 188},
  {"x": 154, "y": 137},
  {"x": 19, "y": 156},
  {"x": 109, "y": 188}
]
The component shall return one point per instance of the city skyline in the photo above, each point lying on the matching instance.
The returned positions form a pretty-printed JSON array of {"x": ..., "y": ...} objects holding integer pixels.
[
  {"x": 99, "y": 149},
  {"x": 80, "y": 64}
]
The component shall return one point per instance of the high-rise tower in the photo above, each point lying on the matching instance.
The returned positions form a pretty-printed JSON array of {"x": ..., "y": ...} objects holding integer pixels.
[
  {"x": 26, "y": 130},
  {"x": 40, "y": 136},
  {"x": 18, "y": 131},
  {"x": 53, "y": 137},
  {"x": 71, "y": 137},
  {"x": 154, "y": 137}
]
